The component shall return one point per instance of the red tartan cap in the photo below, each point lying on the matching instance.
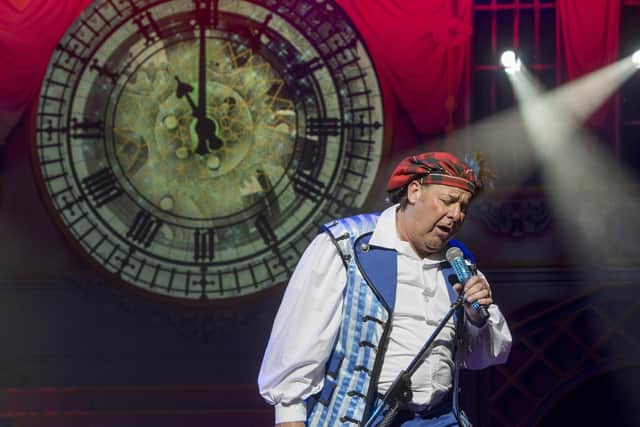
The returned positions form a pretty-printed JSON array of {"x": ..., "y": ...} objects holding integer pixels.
[{"x": 434, "y": 168}]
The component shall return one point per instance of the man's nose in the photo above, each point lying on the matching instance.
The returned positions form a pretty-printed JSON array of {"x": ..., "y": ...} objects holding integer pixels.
[{"x": 455, "y": 213}]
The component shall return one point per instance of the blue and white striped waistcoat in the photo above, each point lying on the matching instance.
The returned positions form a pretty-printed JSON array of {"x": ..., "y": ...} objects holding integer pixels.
[{"x": 354, "y": 365}]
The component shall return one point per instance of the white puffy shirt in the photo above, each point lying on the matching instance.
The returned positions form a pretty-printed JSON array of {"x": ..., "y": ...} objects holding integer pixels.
[{"x": 308, "y": 321}]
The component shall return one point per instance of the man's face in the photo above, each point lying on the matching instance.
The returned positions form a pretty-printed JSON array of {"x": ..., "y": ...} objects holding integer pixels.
[{"x": 434, "y": 214}]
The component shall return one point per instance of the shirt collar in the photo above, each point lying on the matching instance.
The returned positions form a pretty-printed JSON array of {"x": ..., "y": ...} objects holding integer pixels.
[{"x": 386, "y": 235}]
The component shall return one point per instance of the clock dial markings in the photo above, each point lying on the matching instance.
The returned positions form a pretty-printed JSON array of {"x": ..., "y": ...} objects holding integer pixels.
[
  {"x": 306, "y": 185},
  {"x": 124, "y": 261},
  {"x": 141, "y": 266},
  {"x": 114, "y": 7},
  {"x": 144, "y": 228},
  {"x": 102, "y": 186},
  {"x": 148, "y": 27},
  {"x": 341, "y": 48},
  {"x": 204, "y": 245},
  {"x": 172, "y": 276},
  {"x": 51, "y": 98},
  {"x": 63, "y": 68},
  {"x": 97, "y": 244},
  {"x": 67, "y": 203},
  {"x": 105, "y": 71},
  {"x": 257, "y": 33},
  {"x": 71, "y": 53},
  {"x": 85, "y": 24},
  {"x": 75, "y": 36},
  {"x": 57, "y": 83},
  {"x": 102, "y": 18},
  {"x": 87, "y": 129},
  {"x": 50, "y": 178},
  {"x": 48, "y": 160},
  {"x": 304, "y": 69},
  {"x": 207, "y": 13},
  {"x": 323, "y": 126}
]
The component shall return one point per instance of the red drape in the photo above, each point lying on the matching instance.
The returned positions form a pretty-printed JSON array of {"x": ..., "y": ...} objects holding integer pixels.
[
  {"x": 421, "y": 49},
  {"x": 29, "y": 31},
  {"x": 590, "y": 31}
]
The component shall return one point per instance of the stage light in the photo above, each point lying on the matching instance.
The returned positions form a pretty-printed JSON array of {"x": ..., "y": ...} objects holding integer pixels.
[
  {"x": 635, "y": 58},
  {"x": 510, "y": 61}
]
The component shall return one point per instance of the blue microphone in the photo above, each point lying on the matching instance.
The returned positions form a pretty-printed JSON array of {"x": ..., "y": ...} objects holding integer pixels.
[{"x": 456, "y": 259}]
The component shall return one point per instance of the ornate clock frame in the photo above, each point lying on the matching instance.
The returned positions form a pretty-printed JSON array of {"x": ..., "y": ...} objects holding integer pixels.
[{"x": 192, "y": 148}]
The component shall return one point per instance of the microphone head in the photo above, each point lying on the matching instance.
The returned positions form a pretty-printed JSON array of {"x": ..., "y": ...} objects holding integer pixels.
[{"x": 454, "y": 252}]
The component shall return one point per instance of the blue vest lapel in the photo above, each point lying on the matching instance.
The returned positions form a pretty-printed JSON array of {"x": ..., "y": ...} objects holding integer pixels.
[{"x": 379, "y": 267}]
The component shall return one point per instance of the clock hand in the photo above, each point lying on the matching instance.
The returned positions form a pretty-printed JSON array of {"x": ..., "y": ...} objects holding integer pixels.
[
  {"x": 206, "y": 128},
  {"x": 202, "y": 68},
  {"x": 183, "y": 90}
]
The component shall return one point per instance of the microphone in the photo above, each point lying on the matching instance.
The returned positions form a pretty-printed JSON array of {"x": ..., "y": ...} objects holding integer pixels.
[{"x": 456, "y": 259}]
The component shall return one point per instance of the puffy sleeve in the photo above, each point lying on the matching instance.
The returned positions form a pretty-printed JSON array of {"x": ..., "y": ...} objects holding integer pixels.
[
  {"x": 488, "y": 344},
  {"x": 304, "y": 331}
]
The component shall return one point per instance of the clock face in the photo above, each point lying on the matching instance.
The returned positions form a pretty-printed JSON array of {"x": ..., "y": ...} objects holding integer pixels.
[{"x": 193, "y": 148}]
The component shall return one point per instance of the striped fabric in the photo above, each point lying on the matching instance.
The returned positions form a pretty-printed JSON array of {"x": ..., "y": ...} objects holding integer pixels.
[{"x": 350, "y": 369}]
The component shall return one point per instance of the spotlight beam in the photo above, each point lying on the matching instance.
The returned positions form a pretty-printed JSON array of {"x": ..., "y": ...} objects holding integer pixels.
[{"x": 591, "y": 193}]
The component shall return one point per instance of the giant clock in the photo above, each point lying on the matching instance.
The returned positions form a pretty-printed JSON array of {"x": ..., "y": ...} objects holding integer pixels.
[{"x": 193, "y": 148}]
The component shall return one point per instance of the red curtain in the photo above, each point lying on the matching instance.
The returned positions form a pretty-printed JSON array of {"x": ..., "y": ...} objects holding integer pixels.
[
  {"x": 29, "y": 31},
  {"x": 590, "y": 32},
  {"x": 421, "y": 50}
]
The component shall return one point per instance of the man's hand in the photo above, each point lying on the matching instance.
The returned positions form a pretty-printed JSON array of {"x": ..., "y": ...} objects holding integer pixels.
[
  {"x": 477, "y": 289},
  {"x": 291, "y": 424}
]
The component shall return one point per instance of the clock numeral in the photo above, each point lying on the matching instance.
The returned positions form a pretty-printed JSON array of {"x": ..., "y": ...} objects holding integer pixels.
[
  {"x": 323, "y": 126},
  {"x": 144, "y": 229},
  {"x": 103, "y": 71},
  {"x": 308, "y": 186},
  {"x": 148, "y": 27},
  {"x": 309, "y": 155},
  {"x": 204, "y": 244},
  {"x": 265, "y": 230},
  {"x": 207, "y": 12},
  {"x": 102, "y": 186},
  {"x": 87, "y": 129},
  {"x": 303, "y": 69}
]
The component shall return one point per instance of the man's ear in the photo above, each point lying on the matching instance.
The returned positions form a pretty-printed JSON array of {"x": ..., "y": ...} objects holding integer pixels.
[{"x": 414, "y": 189}]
